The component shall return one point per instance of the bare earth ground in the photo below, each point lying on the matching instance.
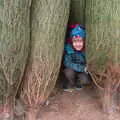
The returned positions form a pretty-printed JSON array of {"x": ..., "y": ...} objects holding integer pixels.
[{"x": 84, "y": 104}]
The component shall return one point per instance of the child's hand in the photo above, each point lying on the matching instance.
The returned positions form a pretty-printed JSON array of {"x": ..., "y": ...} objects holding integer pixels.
[{"x": 86, "y": 70}]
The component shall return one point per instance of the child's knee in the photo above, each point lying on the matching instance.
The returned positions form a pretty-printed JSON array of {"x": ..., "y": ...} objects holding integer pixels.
[
  {"x": 83, "y": 78},
  {"x": 69, "y": 73}
]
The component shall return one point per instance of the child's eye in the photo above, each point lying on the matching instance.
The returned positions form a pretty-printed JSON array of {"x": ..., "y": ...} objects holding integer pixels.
[
  {"x": 75, "y": 40},
  {"x": 74, "y": 37}
]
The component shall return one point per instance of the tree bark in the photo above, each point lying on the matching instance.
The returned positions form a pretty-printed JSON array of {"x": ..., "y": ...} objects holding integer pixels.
[
  {"x": 31, "y": 114},
  {"x": 107, "y": 99},
  {"x": 48, "y": 26},
  {"x": 77, "y": 12},
  {"x": 102, "y": 24},
  {"x": 14, "y": 46}
]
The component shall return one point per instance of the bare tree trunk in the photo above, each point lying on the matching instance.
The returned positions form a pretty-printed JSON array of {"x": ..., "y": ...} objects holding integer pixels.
[
  {"x": 103, "y": 48},
  {"x": 48, "y": 26},
  {"x": 14, "y": 47},
  {"x": 102, "y": 21},
  {"x": 107, "y": 99},
  {"x": 31, "y": 114}
]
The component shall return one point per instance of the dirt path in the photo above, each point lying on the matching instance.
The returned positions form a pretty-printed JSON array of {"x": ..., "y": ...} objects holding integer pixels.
[{"x": 76, "y": 105}]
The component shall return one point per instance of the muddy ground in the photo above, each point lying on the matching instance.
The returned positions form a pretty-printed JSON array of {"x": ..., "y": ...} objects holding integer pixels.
[{"x": 84, "y": 104}]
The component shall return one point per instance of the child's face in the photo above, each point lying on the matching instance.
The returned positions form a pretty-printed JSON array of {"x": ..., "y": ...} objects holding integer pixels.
[{"x": 77, "y": 43}]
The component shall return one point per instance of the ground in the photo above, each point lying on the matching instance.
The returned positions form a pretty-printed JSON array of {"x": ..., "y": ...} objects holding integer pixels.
[{"x": 84, "y": 104}]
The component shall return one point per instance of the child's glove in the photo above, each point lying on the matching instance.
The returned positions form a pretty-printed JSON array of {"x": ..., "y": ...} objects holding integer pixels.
[{"x": 86, "y": 70}]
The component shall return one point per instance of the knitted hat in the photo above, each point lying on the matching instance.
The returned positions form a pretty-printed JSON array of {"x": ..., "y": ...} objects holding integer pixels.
[{"x": 78, "y": 31}]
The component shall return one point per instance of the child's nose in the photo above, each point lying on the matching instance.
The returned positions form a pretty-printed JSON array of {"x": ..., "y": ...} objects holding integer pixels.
[{"x": 79, "y": 43}]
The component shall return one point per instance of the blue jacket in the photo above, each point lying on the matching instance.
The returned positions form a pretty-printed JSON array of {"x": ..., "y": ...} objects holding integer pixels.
[{"x": 74, "y": 59}]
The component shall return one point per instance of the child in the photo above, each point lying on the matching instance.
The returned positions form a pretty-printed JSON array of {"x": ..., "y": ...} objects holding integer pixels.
[{"x": 74, "y": 59}]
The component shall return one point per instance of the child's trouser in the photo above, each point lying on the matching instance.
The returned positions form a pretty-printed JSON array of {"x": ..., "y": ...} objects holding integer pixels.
[{"x": 76, "y": 78}]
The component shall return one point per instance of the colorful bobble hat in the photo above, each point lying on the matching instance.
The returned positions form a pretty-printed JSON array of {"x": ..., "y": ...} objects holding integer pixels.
[
  {"x": 78, "y": 31},
  {"x": 75, "y": 30}
]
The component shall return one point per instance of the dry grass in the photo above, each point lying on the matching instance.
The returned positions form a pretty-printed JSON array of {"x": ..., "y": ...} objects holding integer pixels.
[
  {"x": 36, "y": 83},
  {"x": 109, "y": 83}
]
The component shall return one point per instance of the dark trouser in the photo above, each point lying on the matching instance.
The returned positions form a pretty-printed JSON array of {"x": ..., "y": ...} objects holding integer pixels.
[{"x": 76, "y": 78}]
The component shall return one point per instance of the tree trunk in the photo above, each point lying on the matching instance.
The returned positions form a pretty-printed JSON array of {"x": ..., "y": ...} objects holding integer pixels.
[
  {"x": 107, "y": 99},
  {"x": 48, "y": 26},
  {"x": 77, "y": 12},
  {"x": 102, "y": 24},
  {"x": 14, "y": 46},
  {"x": 31, "y": 114}
]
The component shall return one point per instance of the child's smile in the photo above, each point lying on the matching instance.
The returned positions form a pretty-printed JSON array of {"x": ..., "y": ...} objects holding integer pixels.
[{"x": 77, "y": 43}]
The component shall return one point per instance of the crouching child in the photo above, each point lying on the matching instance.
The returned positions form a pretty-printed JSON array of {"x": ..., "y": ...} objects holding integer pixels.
[{"x": 75, "y": 66}]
